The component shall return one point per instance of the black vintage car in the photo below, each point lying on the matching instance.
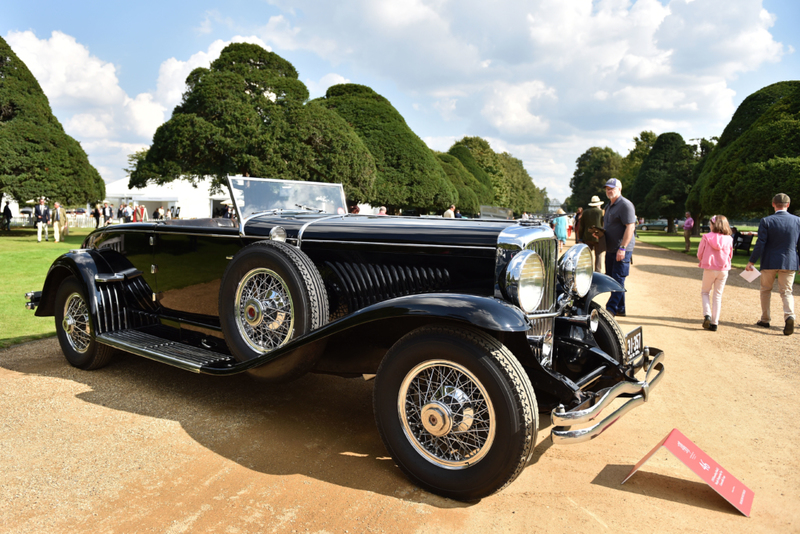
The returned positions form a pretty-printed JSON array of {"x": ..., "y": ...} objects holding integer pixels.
[{"x": 469, "y": 328}]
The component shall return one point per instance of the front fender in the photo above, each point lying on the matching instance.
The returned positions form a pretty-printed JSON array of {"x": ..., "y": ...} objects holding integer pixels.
[
  {"x": 482, "y": 312},
  {"x": 601, "y": 283}
]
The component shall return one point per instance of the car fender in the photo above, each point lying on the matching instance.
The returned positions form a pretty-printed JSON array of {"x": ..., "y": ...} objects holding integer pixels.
[
  {"x": 601, "y": 283},
  {"x": 487, "y": 313},
  {"x": 83, "y": 264}
]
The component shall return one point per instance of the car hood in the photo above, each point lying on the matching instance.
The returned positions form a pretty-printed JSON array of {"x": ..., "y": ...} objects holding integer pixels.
[{"x": 382, "y": 229}]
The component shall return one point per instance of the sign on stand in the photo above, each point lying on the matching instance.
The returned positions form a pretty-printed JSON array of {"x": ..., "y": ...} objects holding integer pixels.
[{"x": 710, "y": 471}]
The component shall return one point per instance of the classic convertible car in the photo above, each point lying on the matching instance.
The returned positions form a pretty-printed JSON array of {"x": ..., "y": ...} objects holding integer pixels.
[{"x": 468, "y": 327}]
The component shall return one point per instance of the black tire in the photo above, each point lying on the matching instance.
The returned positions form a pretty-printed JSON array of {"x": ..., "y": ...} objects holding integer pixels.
[
  {"x": 644, "y": 228},
  {"x": 491, "y": 403},
  {"x": 286, "y": 280},
  {"x": 609, "y": 336},
  {"x": 75, "y": 328}
]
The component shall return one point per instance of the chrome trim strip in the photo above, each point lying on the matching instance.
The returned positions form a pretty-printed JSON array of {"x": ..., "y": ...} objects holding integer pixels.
[
  {"x": 377, "y": 243},
  {"x": 235, "y": 236},
  {"x": 309, "y": 223},
  {"x": 563, "y": 435}
]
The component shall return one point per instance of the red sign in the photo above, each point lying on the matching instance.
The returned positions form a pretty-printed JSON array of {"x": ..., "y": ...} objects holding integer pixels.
[{"x": 710, "y": 471}]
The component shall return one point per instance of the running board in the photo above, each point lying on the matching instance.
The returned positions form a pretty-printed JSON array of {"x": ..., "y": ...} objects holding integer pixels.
[{"x": 188, "y": 357}]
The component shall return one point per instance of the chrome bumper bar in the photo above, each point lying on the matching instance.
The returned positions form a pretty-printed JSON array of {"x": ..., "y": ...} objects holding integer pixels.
[{"x": 562, "y": 434}]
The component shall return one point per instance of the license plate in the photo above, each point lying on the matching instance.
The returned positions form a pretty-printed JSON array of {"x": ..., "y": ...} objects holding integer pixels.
[{"x": 634, "y": 344}]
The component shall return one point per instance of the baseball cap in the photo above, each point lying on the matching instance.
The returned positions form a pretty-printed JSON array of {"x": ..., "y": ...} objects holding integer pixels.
[{"x": 614, "y": 183}]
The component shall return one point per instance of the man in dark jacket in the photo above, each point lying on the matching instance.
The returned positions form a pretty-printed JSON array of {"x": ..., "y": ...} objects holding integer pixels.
[
  {"x": 778, "y": 246},
  {"x": 41, "y": 217},
  {"x": 7, "y": 216},
  {"x": 593, "y": 216}
]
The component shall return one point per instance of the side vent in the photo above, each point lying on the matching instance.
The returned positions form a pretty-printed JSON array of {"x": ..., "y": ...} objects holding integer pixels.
[{"x": 359, "y": 285}]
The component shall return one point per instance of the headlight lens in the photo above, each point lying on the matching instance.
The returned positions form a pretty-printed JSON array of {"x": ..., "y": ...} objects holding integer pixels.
[
  {"x": 575, "y": 270},
  {"x": 524, "y": 283}
]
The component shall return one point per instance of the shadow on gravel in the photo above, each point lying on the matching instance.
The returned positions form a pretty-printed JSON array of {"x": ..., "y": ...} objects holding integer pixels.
[
  {"x": 654, "y": 485},
  {"x": 319, "y": 426}
]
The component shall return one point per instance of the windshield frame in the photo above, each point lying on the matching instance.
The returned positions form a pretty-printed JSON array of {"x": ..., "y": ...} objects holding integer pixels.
[{"x": 278, "y": 211}]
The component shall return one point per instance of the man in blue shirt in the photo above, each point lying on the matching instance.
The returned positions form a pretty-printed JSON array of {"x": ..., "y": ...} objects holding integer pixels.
[
  {"x": 620, "y": 221},
  {"x": 778, "y": 246}
]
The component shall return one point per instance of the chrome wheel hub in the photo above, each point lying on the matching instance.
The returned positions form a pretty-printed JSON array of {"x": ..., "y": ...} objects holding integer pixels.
[
  {"x": 264, "y": 311},
  {"x": 446, "y": 414},
  {"x": 76, "y": 324}
]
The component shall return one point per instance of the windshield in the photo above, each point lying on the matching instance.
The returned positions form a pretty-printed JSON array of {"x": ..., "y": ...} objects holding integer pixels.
[{"x": 259, "y": 195}]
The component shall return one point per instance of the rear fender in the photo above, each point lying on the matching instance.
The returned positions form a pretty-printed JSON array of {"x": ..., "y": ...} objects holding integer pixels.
[{"x": 83, "y": 264}]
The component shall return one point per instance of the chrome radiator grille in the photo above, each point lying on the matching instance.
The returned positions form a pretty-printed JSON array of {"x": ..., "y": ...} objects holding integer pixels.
[{"x": 545, "y": 322}]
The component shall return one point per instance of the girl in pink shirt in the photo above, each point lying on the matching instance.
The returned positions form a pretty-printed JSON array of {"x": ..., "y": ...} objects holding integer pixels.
[{"x": 715, "y": 253}]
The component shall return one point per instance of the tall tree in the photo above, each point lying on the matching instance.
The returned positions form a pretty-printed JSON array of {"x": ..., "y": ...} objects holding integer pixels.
[
  {"x": 37, "y": 158},
  {"x": 642, "y": 144},
  {"x": 526, "y": 196},
  {"x": 409, "y": 174},
  {"x": 246, "y": 115},
  {"x": 592, "y": 170},
  {"x": 758, "y": 155},
  {"x": 668, "y": 171},
  {"x": 693, "y": 204}
]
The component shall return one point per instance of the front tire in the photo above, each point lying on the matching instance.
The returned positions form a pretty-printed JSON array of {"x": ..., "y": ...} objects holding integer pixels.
[
  {"x": 75, "y": 329},
  {"x": 456, "y": 411},
  {"x": 609, "y": 336},
  {"x": 644, "y": 228}
]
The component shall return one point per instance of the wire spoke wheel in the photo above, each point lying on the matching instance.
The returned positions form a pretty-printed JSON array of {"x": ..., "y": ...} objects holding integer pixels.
[
  {"x": 76, "y": 323},
  {"x": 446, "y": 414},
  {"x": 264, "y": 310}
]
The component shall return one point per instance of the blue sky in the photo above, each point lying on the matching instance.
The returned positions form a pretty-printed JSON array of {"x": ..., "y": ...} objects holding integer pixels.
[{"x": 541, "y": 79}]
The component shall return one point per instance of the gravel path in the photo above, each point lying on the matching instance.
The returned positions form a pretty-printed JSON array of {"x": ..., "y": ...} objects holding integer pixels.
[{"x": 142, "y": 447}]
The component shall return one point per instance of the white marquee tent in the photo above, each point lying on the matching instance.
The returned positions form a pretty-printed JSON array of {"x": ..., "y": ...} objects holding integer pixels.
[{"x": 194, "y": 202}]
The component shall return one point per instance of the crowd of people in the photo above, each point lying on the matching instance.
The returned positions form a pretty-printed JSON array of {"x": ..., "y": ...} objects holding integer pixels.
[{"x": 611, "y": 231}]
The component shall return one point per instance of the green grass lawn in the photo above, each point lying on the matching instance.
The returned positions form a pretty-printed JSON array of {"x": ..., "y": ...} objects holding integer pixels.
[
  {"x": 24, "y": 264},
  {"x": 676, "y": 242}
]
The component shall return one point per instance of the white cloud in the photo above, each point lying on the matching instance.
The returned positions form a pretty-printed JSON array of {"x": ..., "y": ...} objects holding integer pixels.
[
  {"x": 508, "y": 107},
  {"x": 86, "y": 96},
  {"x": 546, "y": 79},
  {"x": 67, "y": 73},
  {"x": 320, "y": 87}
]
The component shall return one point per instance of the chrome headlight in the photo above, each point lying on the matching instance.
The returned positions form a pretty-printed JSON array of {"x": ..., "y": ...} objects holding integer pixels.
[
  {"x": 575, "y": 270},
  {"x": 277, "y": 233},
  {"x": 524, "y": 280}
]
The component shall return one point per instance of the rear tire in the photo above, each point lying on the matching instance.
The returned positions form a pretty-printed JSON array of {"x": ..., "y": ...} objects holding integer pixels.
[
  {"x": 75, "y": 329},
  {"x": 456, "y": 411},
  {"x": 270, "y": 294}
]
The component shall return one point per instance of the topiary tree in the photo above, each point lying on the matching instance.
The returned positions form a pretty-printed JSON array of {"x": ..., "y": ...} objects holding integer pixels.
[
  {"x": 483, "y": 190},
  {"x": 409, "y": 174},
  {"x": 758, "y": 155},
  {"x": 464, "y": 183},
  {"x": 489, "y": 161},
  {"x": 37, "y": 158},
  {"x": 246, "y": 115}
]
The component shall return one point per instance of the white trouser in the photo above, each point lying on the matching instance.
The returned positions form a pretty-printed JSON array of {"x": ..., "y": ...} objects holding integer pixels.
[
  {"x": 716, "y": 279},
  {"x": 39, "y": 226}
]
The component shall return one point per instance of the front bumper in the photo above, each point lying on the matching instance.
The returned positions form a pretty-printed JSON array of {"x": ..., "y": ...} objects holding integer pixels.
[
  {"x": 636, "y": 392},
  {"x": 33, "y": 299}
]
